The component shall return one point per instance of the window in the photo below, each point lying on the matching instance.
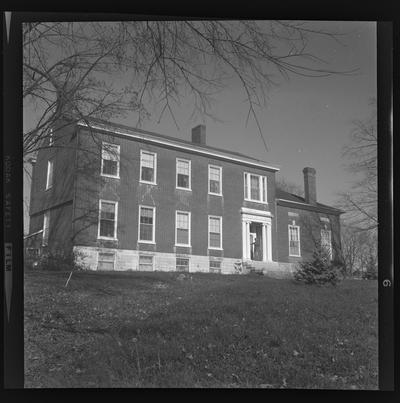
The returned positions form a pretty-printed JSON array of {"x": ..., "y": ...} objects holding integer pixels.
[
  {"x": 110, "y": 160},
  {"x": 183, "y": 174},
  {"x": 182, "y": 234},
  {"x": 255, "y": 187},
  {"x": 215, "y": 266},
  {"x": 108, "y": 219},
  {"x": 46, "y": 227},
  {"x": 214, "y": 180},
  {"x": 148, "y": 167},
  {"x": 214, "y": 232},
  {"x": 145, "y": 263},
  {"x": 294, "y": 240},
  {"x": 326, "y": 242},
  {"x": 49, "y": 180},
  {"x": 146, "y": 224},
  {"x": 106, "y": 261},
  {"x": 182, "y": 264}
]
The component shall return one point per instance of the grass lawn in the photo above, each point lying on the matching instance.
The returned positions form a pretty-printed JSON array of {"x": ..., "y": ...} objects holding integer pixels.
[{"x": 137, "y": 329}]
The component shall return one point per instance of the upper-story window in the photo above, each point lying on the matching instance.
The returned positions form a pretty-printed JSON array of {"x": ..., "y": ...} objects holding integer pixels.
[
  {"x": 183, "y": 174},
  {"x": 255, "y": 187},
  {"x": 148, "y": 167},
  {"x": 215, "y": 180},
  {"x": 147, "y": 216},
  {"x": 294, "y": 240},
  {"x": 46, "y": 227},
  {"x": 110, "y": 156},
  {"x": 49, "y": 177},
  {"x": 108, "y": 219},
  {"x": 326, "y": 241}
]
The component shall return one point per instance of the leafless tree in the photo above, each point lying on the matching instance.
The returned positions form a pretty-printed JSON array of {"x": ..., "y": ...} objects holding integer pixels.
[
  {"x": 105, "y": 69},
  {"x": 361, "y": 202}
]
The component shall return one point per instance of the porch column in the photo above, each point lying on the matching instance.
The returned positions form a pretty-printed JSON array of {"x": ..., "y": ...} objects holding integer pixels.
[
  {"x": 244, "y": 238},
  {"x": 264, "y": 243},
  {"x": 248, "y": 254},
  {"x": 269, "y": 242}
]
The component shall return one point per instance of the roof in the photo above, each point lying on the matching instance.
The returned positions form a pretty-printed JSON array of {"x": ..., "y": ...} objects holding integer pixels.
[
  {"x": 290, "y": 197},
  {"x": 111, "y": 126}
]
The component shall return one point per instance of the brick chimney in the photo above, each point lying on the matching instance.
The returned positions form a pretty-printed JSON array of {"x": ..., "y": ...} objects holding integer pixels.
[
  {"x": 310, "y": 188},
  {"x": 199, "y": 134}
]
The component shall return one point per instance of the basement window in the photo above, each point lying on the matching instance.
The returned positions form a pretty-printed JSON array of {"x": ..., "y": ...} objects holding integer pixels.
[
  {"x": 146, "y": 263},
  {"x": 182, "y": 264},
  {"x": 215, "y": 266},
  {"x": 106, "y": 261}
]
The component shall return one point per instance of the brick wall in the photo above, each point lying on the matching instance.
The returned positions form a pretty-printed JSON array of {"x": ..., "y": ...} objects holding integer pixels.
[{"x": 130, "y": 193}]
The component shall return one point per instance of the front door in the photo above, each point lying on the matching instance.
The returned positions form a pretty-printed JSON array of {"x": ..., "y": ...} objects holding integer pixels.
[{"x": 256, "y": 241}]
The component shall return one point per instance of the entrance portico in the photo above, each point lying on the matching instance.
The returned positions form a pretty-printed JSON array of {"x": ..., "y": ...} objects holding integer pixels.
[{"x": 256, "y": 235}]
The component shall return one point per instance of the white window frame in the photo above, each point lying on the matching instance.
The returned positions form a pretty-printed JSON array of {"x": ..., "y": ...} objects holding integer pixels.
[
  {"x": 154, "y": 225},
  {"x": 213, "y": 270},
  {"x": 115, "y": 238},
  {"x": 330, "y": 239},
  {"x": 46, "y": 228},
  {"x": 263, "y": 189},
  {"x": 102, "y": 159},
  {"x": 298, "y": 234},
  {"x": 155, "y": 167},
  {"x": 50, "y": 167},
  {"x": 220, "y": 228},
  {"x": 190, "y": 174},
  {"x": 190, "y": 228},
  {"x": 220, "y": 179},
  {"x": 184, "y": 258}
]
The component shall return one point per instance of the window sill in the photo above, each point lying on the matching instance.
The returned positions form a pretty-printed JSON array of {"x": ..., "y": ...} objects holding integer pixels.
[
  {"x": 187, "y": 189},
  {"x": 110, "y": 176},
  {"x": 215, "y": 194},
  {"x": 147, "y": 183},
  {"x": 294, "y": 255},
  {"x": 148, "y": 242},
  {"x": 256, "y": 201},
  {"x": 215, "y": 248},
  {"x": 182, "y": 245},
  {"x": 104, "y": 238}
]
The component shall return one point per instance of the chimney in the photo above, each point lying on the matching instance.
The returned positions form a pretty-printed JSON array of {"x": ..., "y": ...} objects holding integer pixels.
[
  {"x": 199, "y": 134},
  {"x": 310, "y": 188}
]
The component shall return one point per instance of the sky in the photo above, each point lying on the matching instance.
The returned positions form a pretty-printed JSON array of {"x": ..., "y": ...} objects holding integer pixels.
[{"x": 306, "y": 121}]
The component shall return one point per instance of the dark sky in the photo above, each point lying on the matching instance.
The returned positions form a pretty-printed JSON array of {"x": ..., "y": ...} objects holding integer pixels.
[{"x": 306, "y": 121}]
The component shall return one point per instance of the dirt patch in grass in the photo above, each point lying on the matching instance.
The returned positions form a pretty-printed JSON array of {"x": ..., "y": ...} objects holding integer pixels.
[{"x": 205, "y": 330}]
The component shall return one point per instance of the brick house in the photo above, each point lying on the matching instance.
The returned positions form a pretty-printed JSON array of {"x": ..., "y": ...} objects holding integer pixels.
[{"x": 128, "y": 199}]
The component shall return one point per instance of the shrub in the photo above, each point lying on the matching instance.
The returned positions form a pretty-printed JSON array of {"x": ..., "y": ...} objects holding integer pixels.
[
  {"x": 371, "y": 270},
  {"x": 319, "y": 270},
  {"x": 59, "y": 261}
]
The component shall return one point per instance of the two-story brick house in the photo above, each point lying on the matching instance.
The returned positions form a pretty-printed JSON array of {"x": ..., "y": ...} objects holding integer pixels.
[{"x": 128, "y": 199}]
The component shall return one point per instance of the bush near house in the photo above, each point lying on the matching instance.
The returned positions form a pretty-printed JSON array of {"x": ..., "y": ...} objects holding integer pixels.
[
  {"x": 320, "y": 269},
  {"x": 143, "y": 329}
]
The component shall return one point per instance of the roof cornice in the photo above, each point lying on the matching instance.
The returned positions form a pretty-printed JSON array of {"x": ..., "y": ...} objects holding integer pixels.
[
  {"x": 306, "y": 206},
  {"x": 176, "y": 144}
]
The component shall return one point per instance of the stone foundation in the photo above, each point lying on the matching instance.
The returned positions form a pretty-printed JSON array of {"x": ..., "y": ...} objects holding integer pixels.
[{"x": 126, "y": 259}]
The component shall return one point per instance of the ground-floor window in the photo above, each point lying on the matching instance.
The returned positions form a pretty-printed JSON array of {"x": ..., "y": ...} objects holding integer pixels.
[
  {"x": 145, "y": 263},
  {"x": 326, "y": 242},
  {"x": 182, "y": 264},
  {"x": 106, "y": 261},
  {"x": 215, "y": 266},
  {"x": 294, "y": 240}
]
